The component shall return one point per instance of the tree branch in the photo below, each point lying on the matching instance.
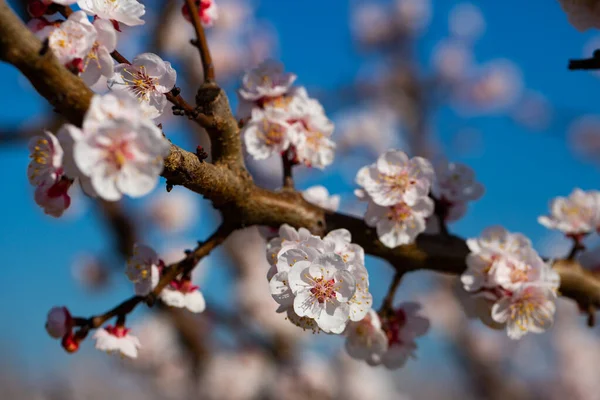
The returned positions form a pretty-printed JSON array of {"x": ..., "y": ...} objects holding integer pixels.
[{"x": 201, "y": 43}]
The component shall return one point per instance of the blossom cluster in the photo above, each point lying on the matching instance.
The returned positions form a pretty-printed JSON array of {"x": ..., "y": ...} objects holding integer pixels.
[
  {"x": 576, "y": 215},
  {"x": 511, "y": 282},
  {"x": 321, "y": 284},
  {"x": 282, "y": 119},
  {"x": 388, "y": 341},
  {"x": 398, "y": 188}
]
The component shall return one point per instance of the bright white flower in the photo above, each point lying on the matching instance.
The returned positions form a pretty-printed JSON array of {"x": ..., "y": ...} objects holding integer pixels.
[
  {"x": 289, "y": 237},
  {"x": 116, "y": 339},
  {"x": 266, "y": 81},
  {"x": 529, "y": 309},
  {"x": 143, "y": 269},
  {"x": 98, "y": 61},
  {"x": 399, "y": 224},
  {"x": 322, "y": 290},
  {"x": 127, "y": 12},
  {"x": 122, "y": 156},
  {"x": 319, "y": 195},
  {"x": 365, "y": 340},
  {"x": 577, "y": 214},
  {"x": 59, "y": 322},
  {"x": 148, "y": 78},
  {"x": 183, "y": 294},
  {"x": 582, "y": 14},
  {"x": 53, "y": 197},
  {"x": 395, "y": 179},
  {"x": 313, "y": 145},
  {"x": 46, "y": 156},
  {"x": 402, "y": 327},
  {"x": 72, "y": 40},
  {"x": 267, "y": 133},
  {"x": 454, "y": 186}
]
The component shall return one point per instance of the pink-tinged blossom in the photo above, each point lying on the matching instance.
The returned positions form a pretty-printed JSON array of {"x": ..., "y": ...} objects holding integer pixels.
[
  {"x": 401, "y": 223},
  {"x": 46, "y": 156},
  {"x": 451, "y": 60},
  {"x": 466, "y": 21},
  {"x": 289, "y": 237},
  {"x": 267, "y": 133},
  {"x": 402, "y": 327},
  {"x": 312, "y": 142},
  {"x": 173, "y": 212},
  {"x": 413, "y": 16},
  {"x": 319, "y": 195},
  {"x": 117, "y": 340},
  {"x": 365, "y": 340},
  {"x": 454, "y": 186},
  {"x": 98, "y": 62},
  {"x": 54, "y": 198},
  {"x": 181, "y": 293},
  {"x": 582, "y": 14},
  {"x": 147, "y": 78},
  {"x": 395, "y": 179},
  {"x": 530, "y": 309},
  {"x": 120, "y": 156},
  {"x": 575, "y": 215},
  {"x": 322, "y": 290},
  {"x": 59, "y": 322},
  {"x": 143, "y": 269},
  {"x": 266, "y": 81},
  {"x": 72, "y": 40},
  {"x": 128, "y": 12},
  {"x": 207, "y": 11}
]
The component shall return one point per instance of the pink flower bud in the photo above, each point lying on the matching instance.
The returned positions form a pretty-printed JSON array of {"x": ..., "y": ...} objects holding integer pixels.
[
  {"x": 70, "y": 343},
  {"x": 59, "y": 322}
]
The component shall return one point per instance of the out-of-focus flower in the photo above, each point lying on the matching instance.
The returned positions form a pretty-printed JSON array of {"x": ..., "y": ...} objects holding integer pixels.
[
  {"x": 117, "y": 340},
  {"x": 90, "y": 271},
  {"x": 454, "y": 187},
  {"x": 72, "y": 40},
  {"x": 582, "y": 14},
  {"x": 584, "y": 136},
  {"x": 375, "y": 128},
  {"x": 365, "y": 340},
  {"x": 46, "y": 156},
  {"x": 413, "y": 16},
  {"x": 147, "y": 78},
  {"x": 128, "y": 12},
  {"x": 451, "y": 60},
  {"x": 53, "y": 198},
  {"x": 466, "y": 21},
  {"x": 98, "y": 62},
  {"x": 143, "y": 269},
  {"x": 207, "y": 11},
  {"x": 266, "y": 81},
  {"x": 59, "y": 322},
  {"x": 173, "y": 212},
  {"x": 578, "y": 214},
  {"x": 533, "y": 111},
  {"x": 319, "y": 195}
]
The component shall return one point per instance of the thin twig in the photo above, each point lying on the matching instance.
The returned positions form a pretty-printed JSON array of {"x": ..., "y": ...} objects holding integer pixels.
[
  {"x": 201, "y": 43},
  {"x": 586, "y": 63},
  {"x": 388, "y": 302},
  {"x": 578, "y": 246},
  {"x": 288, "y": 164}
]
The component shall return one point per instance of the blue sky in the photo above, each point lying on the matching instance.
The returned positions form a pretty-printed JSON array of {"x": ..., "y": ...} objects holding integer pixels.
[{"x": 520, "y": 169}]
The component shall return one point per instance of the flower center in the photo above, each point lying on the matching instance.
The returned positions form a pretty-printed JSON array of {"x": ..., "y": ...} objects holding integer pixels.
[
  {"x": 323, "y": 289},
  {"x": 139, "y": 82},
  {"x": 399, "y": 212},
  {"x": 118, "y": 331},
  {"x": 272, "y": 133},
  {"x": 118, "y": 153}
]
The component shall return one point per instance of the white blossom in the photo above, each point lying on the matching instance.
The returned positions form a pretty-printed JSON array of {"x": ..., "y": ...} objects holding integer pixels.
[
  {"x": 365, "y": 340},
  {"x": 530, "y": 309},
  {"x": 58, "y": 322},
  {"x": 395, "y": 178},
  {"x": 401, "y": 223},
  {"x": 319, "y": 195},
  {"x": 289, "y": 237},
  {"x": 582, "y": 14},
  {"x": 147, "y": 78},
  {"x": 182, "y": 293},
  {"x": 128, "y": 12},
  {"x": 72, "y": 40},
  {"x": 266, "y": 81},
  {"x": 119, "y": 156},
  {"x": 454, "y": 186},
  {"x": 117, "y": 340},
  {"x": 46, "y": 156},
  {"x": 143, "y": 269},
  {"x": 577, "y": 214},
  {"x": 267, "y": 133},
  {"x": 98, "y": 62},
  {"x": 322, "y": 290}
]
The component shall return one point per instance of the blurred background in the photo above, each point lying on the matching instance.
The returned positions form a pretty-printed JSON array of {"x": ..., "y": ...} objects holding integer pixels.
[{"x": 483, "y": 83}]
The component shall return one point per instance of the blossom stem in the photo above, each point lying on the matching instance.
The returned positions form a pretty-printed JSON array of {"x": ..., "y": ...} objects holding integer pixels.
[
  {"x": 288, "y": 164},
  {"x": 388, "y": 302},
  {"x": 577, "y": 247},
  {"x": 201, "y": 43}
]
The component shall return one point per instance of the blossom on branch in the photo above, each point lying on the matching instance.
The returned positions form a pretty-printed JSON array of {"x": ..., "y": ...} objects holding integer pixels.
[
  {"x": 98, "y": 62},
  {"x": 59, "y": 322},
  {"x": 514, "y": 285},
  {"x": 117, "y": 340},
  {"x": 128, "y": 12},
  {"x": 265, "y": 82},
  {"x": 143, "y": 269},
  {"x": 70, "y": 41},
  {"x": 267, "y": 133},
  {"x": 578, "y": 214},
  {"x": 182, "y": 293},
  {"x": 365, "y": 340},
  {"x": 454, "y": 187},
  {"x": 147, "y": 78}
]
